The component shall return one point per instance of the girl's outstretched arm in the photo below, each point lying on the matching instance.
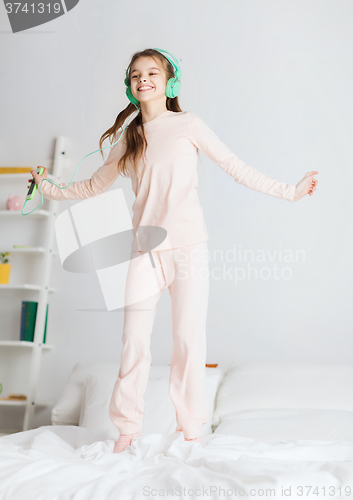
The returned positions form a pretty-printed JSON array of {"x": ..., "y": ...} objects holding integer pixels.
[
  {"x": 100, "y": 181},
  {"x": 209, "y": 143}
]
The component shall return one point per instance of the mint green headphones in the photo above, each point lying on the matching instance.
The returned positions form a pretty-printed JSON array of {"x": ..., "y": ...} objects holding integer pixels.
[{"x": 173, "y": 84}]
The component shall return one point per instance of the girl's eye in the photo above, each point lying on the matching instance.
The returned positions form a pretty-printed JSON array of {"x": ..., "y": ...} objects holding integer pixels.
[{"x": 150, "y": 74}]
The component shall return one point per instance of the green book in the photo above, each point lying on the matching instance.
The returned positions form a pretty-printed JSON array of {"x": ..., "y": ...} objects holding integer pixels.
[
  {"x": 45, "y": 326},
  {"x": 28, "y": 321}
]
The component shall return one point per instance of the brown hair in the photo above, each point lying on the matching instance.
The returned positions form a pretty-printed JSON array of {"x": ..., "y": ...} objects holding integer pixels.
[{"x": 135, "y": 144}]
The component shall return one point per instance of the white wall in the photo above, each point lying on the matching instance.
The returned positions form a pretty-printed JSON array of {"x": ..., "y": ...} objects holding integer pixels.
[{"x": 273, "y": 80}]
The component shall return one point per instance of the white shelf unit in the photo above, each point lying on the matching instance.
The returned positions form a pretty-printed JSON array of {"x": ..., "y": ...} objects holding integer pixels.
[{"x": 41, "y": 291}]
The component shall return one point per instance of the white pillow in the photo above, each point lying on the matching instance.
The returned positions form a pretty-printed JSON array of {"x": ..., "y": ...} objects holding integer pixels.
[
  {"x": 159, "y": 415},
  {"x": 68, "y": 406},
  {"x": 275, "y": 426},
  {"x": 261, "y": 386}
]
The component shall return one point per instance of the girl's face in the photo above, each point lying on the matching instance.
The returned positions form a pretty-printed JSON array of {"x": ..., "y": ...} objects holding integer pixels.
[{"x": 148, "y": 75}]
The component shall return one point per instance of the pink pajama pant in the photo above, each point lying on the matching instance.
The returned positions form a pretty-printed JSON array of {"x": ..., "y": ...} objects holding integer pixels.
[{"x": 189, "y": 292}]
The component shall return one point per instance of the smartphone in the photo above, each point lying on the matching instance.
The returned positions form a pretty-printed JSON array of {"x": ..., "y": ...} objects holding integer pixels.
[{"x": 33, "y": 187}]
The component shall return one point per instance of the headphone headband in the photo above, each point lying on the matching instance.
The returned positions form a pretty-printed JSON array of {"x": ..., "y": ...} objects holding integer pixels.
[{"x": 176, "y": 64}]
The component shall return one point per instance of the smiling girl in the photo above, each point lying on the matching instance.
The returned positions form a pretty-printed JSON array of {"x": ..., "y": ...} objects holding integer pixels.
[{"x": 159, "y": 152}]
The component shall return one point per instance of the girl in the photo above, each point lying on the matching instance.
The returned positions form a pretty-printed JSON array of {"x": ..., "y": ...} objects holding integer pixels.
[{"x": 158, "y": 152}]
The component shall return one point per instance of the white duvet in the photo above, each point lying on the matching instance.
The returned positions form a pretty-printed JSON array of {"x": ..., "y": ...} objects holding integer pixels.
[{"x": 251, "y": 454}]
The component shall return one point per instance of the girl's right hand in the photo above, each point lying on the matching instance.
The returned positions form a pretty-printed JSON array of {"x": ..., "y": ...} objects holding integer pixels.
[
  {"x": 306, "y": 186},
  {"x": 38, "y": 178}
]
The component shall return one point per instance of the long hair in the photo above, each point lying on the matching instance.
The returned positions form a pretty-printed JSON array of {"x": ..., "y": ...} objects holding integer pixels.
[{"x": 135, "y": 144}]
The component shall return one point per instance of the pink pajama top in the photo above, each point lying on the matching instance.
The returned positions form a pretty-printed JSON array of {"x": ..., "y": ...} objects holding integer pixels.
[{"x": 166, "y": 193}]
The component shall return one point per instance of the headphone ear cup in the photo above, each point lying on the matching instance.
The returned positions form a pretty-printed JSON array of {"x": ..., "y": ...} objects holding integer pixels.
[
  {"x": 173, "y": 87},
  {"x": 130, "y": 96}
]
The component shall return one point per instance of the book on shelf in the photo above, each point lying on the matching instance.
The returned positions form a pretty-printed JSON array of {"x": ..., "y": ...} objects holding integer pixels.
[
  {"x": 15, "y": 170},
  {"x": 28, "y": 320}
]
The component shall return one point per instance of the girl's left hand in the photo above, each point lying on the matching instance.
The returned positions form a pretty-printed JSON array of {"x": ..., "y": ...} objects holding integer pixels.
[{"x": 306, "y": 186}]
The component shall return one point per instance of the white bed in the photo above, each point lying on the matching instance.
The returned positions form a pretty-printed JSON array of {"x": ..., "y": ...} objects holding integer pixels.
[{"x": 276, "y": 428}]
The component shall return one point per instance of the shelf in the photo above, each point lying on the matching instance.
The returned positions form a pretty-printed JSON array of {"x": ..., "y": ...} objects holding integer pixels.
[
  {"x": 18, "y": 213},
  {"x": 25, "y": 286},
  {"x": 22, "y": 343},
  {"x": 29, "y": 250},
  {"x": 22, "y": 403},
  {"x": 44, "y": 212},
  {"x": 23, "y": 176}
]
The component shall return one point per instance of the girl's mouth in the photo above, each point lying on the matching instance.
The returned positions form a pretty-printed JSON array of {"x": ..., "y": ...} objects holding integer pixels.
[{"x": 142, "y": 89}]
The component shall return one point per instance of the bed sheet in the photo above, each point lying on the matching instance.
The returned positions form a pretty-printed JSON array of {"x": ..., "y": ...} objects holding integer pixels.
[{"x": 70, "y": 462}]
